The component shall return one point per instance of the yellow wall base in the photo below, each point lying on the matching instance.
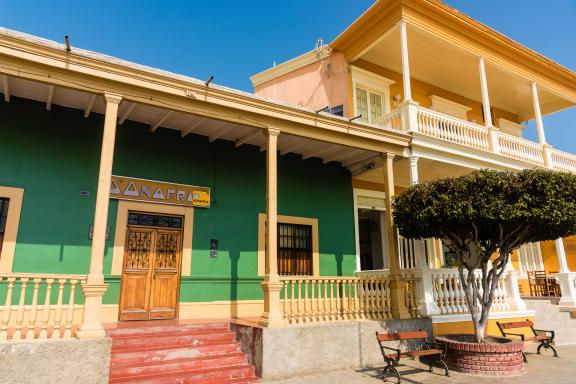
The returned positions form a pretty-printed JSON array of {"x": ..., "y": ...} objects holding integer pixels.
[{"x": 466, "y": 327}]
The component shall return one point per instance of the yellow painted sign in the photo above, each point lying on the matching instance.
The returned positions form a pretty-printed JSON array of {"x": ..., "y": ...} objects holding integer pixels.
[{"x": 129, "y": 188}]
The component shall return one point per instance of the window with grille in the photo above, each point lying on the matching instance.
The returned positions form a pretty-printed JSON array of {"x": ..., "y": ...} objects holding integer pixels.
[
  {"x": 294, "y": 249},
  {"x": 369, "y": 105},
  {"x": 150, "y": 220},
  {"x": 3, "y": 218}
]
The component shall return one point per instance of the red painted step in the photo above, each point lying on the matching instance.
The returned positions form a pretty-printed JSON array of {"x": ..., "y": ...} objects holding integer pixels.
[{"x": 178, "y": 353}]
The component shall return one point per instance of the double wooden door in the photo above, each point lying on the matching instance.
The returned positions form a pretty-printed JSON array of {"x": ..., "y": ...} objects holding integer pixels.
[{"x": 151, "y": 273}]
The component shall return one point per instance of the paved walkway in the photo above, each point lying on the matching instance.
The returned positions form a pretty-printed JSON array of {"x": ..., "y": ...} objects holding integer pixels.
[{"x": 539, "y": 369}]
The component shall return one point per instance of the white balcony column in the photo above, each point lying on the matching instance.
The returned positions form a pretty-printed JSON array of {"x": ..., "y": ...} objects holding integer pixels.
[
  {"x": 95, "y": 288},
  {"x": 405, "y": 63},
  {"x": 413, "y": 162},
  {"x": 540, "y": 126},
  {"x": 565, "y": 278},
  {"x": 492, "y": 131},
  {"x": 271, "y": 284},
  {"x": 485, "y": 97}
]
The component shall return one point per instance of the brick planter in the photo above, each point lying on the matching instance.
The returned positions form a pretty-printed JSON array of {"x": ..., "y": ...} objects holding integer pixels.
[{"x": 497, "y": 357}]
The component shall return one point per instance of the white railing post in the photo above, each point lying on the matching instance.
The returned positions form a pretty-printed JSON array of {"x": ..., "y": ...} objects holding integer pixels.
[
  {"x": 565, "y": 278},
  {"x": 513, "y": 289},
  {"x": 547, "y": 154},
  {"x": 493, "y": 140}
]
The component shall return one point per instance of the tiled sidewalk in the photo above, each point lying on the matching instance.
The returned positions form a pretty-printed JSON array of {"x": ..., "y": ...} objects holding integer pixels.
[{"x": 539, "y": 369}]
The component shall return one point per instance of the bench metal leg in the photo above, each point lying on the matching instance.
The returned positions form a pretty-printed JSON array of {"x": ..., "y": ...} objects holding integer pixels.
[
  {"x": 391, "y": 371},
  {"x": 547, "y": 345},
  {"x": 441, "y": 364}
]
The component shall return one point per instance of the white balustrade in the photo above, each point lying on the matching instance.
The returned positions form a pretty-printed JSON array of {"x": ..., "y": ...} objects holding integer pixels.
[
  {"x": 325, "y": 299},
  {"x": 39, "y": 305},
  {"x": 392, "y": 121},
  {"x": 452, "y": 129},
  {"x": 521, "y": 149},
  {"x": 459, "y": 131},
  {"x": 449, "y": 295}
]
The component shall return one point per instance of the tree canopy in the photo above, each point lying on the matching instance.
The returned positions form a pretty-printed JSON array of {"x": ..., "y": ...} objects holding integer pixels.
[
  {"x": 498, "y": 209},
  {"x": 482, "y": 217}
]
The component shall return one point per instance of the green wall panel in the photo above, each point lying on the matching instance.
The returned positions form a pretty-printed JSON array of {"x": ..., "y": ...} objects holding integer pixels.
[{"x": 55, "y": 154}]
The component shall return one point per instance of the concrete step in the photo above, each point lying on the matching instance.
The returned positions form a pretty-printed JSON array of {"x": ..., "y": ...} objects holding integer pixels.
[
  {"x": 163, "y": 353},
  {"x": 177, "y": 365},
  {"x": 224, "y": 374},
  {"x": 171, "y": 339},
  {"x": 146, "y": 329}
]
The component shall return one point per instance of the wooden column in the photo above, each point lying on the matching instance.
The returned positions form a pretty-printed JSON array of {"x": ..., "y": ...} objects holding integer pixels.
[
  {"x": 95, "y": 288},
  {"x": 271, "y": 285},
  {"x": 398, "y": 286}
]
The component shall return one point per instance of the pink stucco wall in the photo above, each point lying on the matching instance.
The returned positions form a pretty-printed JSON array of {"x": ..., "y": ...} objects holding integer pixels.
[{"x": 317, "y": 85}]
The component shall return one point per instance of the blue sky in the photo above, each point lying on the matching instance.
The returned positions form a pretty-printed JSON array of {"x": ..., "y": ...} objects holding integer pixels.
[{"x": 233, "y": 40}]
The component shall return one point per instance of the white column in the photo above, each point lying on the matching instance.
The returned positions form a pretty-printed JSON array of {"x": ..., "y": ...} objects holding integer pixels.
[
  {"x": 95, "y": 288},
  {"x": 485, "y": 98},
  {"x": 538, "y": 114},
  {"x": 272, "y": 285},
  {"x": 565, "y": 278},
  {"x": 413, "y": 161},
  {"x": 561, "y": 253},
  {"x": 513, "y": 287},
  {"x": 405, "y": 63}
]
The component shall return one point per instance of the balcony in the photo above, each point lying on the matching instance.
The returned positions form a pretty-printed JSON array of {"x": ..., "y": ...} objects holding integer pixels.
[{"x": 424, "y": 122}]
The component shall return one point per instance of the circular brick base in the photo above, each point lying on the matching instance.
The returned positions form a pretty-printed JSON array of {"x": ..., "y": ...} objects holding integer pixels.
[{"x": 497, "y": 357}]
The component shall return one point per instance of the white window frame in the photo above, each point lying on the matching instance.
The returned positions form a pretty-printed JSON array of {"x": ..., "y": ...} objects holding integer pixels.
[{"x": 371, "y": 83}]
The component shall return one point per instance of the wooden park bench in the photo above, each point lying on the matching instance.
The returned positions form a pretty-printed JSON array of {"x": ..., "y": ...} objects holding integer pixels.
[
  {"x": 427, "y": 352},
  {"x": 544, "y": 337}
]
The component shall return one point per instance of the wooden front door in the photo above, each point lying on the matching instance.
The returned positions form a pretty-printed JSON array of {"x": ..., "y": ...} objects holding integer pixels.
[{"x": 151, "y": 274}]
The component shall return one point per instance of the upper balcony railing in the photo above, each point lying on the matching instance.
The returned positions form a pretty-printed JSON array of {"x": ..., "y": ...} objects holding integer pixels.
[{"x": 414, "y": 118}]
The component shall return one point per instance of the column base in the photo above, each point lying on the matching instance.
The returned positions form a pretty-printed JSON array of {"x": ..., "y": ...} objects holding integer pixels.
[
  {"x": 91, "y": 327},
  {"x": 398, "y": 307},
  {"x": 272, "y": 317},
  {"x": 566, "y": 281}
]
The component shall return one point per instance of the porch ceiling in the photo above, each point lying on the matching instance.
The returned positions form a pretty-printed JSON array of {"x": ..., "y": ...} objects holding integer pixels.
[
  {"x": 428, "y": 170},
  {"x": 447, "y": 66},
  {"x": 356, "y": 160}
]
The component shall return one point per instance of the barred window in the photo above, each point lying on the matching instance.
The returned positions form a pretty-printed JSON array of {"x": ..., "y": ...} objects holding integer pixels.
[
  {"x": 294, "y": 249},
  {"x": 150, "y": 220},
  {"x": 3, "y": 218}
]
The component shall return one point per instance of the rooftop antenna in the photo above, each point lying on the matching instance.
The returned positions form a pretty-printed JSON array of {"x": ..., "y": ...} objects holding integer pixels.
[
  {"x": 207, "y": 83},
  {"x": 319, "y": 47},
  {"x": 67, "y": 40}
]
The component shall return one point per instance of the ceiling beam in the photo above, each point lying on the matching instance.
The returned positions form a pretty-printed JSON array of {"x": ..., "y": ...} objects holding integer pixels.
[
  {"x": 193, "y": 126},
  {"x": 359, "y": 159},
  {"x": 365, "y": 166},
  {"x": 5, "y": 88},
  {"x": 126, "y": 112},
  {"x": 220, "y": 132},
  {"x": 299, "y": 143},
  {"x": 320, "y": 151},
  {"x": 340, "y": 155},
  {"x": 251, "y": 136},
  {"x": 50, "y": 98},
  {"x": 160, "y": 121},
  {"x": 90, "y": 106}
]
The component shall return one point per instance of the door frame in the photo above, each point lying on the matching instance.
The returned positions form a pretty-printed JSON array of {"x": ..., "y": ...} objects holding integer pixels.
[
  {"x": 357, "y": 192},
  {"x": 151, "y": 281},
  {"x": 124, "y": 206}
]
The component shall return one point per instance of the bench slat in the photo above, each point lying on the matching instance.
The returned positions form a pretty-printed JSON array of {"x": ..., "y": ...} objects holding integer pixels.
[
  {"x": 516, "y": 324},
  {"x": 402, "y": 336}
]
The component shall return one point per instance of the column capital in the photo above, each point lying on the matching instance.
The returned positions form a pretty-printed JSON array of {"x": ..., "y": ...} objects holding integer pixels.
[
  {"x": 413, "y": 158},
  {"x": 112, "y": 98},
  {"x": 387, "y": 156},
  {"x": 272, "y": 132}
]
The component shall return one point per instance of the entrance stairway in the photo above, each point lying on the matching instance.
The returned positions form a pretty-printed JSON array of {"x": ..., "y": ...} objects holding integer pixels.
[
  {"x": 178, "y": 353},
  {"x": 549, "y": 316}
]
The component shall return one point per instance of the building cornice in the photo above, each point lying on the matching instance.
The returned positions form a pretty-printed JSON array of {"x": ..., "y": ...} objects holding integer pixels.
[
  {"x": 448, "y": 23},
  {"x": 48, "y": 62}
]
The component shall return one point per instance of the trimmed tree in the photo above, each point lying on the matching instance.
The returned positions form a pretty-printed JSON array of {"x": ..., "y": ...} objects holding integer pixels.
[{"x": 483, "y": 217}]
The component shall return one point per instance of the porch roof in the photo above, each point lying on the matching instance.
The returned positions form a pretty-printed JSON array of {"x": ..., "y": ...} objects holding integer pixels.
[{"x": 42, "y": 70}]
